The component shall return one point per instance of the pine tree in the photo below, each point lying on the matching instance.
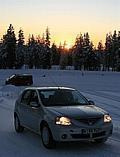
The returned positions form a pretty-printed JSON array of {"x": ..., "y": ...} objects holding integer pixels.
[
  {"x": 118, "y": 53},
  {"x": 86, "y": 40},
  {"x": 20, "y": 50},
  {"x": 100, "y": 55},
  {"x": 55, "y": 55},
  {"x": 63, "y": 60},
  {"x": 114, "y": 50},
  {"x": 108, "y": 46},
  {"x": 70, "y": 57},
  {"x": 91, "y": 59},
  {"x": 9, "y": 44},
  {"x": 47, "y": 37},
  {"x": 78, "y": 56},
  {"x": 47, "y": 51},
  {"x": 31, "y": 51},
  {"x": 3, "y": 55}
]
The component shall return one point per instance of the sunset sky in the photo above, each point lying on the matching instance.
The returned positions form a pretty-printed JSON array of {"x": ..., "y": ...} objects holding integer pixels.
[{"x": 65, "y": 18}]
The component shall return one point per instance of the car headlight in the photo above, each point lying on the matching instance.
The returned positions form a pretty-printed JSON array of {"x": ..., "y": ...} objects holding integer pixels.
[
  {"x": 62, "y": 121},
  {"x": 107, "y": 118}
]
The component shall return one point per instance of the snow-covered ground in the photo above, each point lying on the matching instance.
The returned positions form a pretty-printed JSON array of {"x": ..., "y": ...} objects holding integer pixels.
[{"x": 101, "y": 87}]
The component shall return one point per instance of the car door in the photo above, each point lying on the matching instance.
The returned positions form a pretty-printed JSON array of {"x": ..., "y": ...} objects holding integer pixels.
[
  {"x": 24, "y": 107},
  {"x": 34, "y": 112}
]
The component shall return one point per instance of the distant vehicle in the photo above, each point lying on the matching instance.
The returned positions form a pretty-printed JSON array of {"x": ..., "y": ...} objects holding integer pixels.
[
  {"x": 61, "y": 114},
  {"x": 20, "y": 80}
]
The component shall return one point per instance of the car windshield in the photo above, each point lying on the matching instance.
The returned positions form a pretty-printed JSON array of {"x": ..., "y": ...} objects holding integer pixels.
[{"x": 62, "y": 97}]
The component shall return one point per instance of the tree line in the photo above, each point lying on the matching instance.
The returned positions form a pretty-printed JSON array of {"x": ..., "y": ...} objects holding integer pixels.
[{"x": 39, "y": 52}]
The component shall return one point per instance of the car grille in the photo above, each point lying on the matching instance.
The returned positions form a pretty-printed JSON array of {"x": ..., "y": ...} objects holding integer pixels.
[
  {"x": 89, "y": 121},
  {"x": 85, "y": 136},
  {"x": 98, "y": 134}
]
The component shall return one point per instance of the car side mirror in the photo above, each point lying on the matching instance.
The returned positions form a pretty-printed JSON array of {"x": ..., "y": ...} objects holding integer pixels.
[
  {"x": 91, "y": 102},
  {"x": 34, "y": 104}
]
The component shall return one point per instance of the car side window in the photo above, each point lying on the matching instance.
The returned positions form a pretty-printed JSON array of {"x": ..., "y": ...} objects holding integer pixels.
[
  {"x": 46, "y": 96},
  {"x": 34, "y": 97},
  {"x": 26, "y": 97}
]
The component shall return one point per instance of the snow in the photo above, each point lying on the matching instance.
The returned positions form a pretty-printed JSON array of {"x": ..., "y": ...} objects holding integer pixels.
[{"x": 101, "y": 87}]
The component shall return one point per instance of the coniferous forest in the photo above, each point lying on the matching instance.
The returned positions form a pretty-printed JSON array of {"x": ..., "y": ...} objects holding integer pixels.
[{"x": 39, "y": 53}]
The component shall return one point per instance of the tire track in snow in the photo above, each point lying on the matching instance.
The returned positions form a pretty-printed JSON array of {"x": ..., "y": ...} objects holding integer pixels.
[
  {"x": 103, "y": 95},
  {"x": 104, "y": 102},
  {"x": 113, "y": 139}
]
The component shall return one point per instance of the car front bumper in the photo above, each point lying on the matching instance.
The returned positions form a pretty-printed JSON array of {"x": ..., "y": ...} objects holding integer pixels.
[{"x": 72, "y": 133}]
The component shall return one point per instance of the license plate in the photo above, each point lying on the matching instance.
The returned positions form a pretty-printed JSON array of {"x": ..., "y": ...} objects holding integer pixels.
[{"x": 88, "y": 131}]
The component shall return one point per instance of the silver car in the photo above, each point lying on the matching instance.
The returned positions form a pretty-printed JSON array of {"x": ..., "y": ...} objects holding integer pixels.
[{"x": 61, "y": 114}]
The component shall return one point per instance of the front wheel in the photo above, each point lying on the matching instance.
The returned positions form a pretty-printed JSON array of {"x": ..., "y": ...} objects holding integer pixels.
[
  {"x": 18, "y": 127},
  {"x": 47, "y": 138}
]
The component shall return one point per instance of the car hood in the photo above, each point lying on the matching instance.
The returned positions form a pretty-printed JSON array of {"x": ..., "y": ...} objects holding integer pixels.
[{"x": 78, "y": 111}]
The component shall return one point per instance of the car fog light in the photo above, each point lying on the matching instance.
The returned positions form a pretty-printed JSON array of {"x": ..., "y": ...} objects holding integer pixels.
[{"x": 64, "y": 136}]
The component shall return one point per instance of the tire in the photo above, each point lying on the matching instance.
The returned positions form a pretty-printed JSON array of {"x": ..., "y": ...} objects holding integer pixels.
[
  {"x": 18, "y": 127},
  {"x": 47, "y": 138},
  {"x": 100, "y": 141}
]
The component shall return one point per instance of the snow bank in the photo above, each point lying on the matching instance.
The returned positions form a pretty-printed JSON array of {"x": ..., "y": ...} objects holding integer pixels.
[
  {"x": 10, "y": 91},
  {"x": 101, "y": 87}
]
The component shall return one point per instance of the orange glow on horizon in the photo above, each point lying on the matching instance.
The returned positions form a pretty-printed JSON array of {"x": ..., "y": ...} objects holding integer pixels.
[
  {"x": 57, "y": 37},
  {"x": 65, "y": 18}
]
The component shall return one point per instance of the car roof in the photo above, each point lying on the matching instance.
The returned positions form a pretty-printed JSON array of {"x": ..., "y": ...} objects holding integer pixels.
[
  {"x": 23, "y": 74},
  {"x": 48, "y": 88}
]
